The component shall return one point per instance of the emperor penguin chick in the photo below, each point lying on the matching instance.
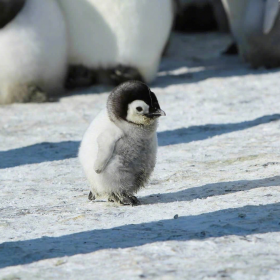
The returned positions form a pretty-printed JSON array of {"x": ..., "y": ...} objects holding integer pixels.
[{"x": 118, "y": 151}]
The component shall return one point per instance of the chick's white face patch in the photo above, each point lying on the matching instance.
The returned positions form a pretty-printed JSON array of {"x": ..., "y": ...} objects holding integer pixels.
[{"x": 136, "y": 112}]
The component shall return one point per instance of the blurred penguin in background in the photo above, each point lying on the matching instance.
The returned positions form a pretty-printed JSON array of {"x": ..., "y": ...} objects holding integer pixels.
[
  {"x": 33, "y": 50},
  {"x": 200, "y": 16},
  {"x": 116, "y": 40},
  {"x": 255, "y": 26}
]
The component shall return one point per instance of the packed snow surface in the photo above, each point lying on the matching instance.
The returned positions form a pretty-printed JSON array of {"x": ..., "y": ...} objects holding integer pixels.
[{"x": 211, "y": 209}]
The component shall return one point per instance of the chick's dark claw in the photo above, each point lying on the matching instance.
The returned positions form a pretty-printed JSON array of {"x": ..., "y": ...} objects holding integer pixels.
[
  {"x": 129, "y": 200},
  {"x": 91, "y": 196},
  {"x": 124, "y": 199}
]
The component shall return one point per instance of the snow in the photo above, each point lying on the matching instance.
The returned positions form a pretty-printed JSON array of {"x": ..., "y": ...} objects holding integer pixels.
[{"x": 211, "y": 210}]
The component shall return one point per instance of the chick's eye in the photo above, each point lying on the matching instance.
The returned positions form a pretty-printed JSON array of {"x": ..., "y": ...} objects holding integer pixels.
[{"x": 139, "y": 109}]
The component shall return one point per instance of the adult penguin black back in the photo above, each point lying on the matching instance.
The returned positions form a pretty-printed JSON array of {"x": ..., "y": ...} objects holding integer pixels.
[{"x": 9, "y": 10}]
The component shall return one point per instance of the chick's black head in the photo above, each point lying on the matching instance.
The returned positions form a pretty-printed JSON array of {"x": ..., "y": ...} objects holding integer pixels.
[{"x": 133, "y": 92}]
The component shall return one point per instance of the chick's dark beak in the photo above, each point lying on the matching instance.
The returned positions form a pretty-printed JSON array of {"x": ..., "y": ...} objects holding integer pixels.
[{"x": 155, "y": 114}]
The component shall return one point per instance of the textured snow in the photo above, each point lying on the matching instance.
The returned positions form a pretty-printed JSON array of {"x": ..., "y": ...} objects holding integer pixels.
[{"x": 211, "y": 210}]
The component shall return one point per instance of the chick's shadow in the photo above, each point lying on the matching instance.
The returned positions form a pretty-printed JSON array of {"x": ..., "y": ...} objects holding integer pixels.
[
  {"x": 209, "y": 190},
  {"x": 243, "y": 221},
  {"x": 203, "y": 132},
  {"x": 37, "y": 153},
  {"x": 47, "y": 151}
]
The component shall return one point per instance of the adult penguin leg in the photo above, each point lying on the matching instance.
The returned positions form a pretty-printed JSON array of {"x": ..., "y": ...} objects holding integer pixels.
[
  {"x": 122, "y": 73},
  {"x": 29, "y": 93},
  {"x": 232, "y": 49},
  {"x": 79, "y": 76},
  {"x": 26, "y": 93}
]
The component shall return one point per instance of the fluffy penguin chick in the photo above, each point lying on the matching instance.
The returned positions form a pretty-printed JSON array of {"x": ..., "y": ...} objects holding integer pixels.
[
  {"x": 33, "y": 50},
  {"x": 118, "y": 151}
]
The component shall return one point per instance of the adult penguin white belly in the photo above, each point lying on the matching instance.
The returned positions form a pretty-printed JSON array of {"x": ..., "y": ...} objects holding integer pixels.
[
  {"x": 125, "y": 36},
  {"x": 33, "y": 50},
  {"x": 255, "y": 25}
]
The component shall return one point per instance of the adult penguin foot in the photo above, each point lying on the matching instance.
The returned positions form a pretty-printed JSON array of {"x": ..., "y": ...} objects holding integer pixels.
[
  {"x": 232, "y": 49},
  {"x": 36, "y": 94},
  {"x": 28, "y": 93},
  {"x": 122, "y": 73},
  {"x": 78, "y": 77}
]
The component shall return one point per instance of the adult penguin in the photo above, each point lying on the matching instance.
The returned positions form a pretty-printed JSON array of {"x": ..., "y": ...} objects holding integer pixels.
[
  {"x": 200, "y": 16},
  {"x": 33, "y": 50},
  {"x": 122, "y": 39},
  {"x": 255, "y": 25}
]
